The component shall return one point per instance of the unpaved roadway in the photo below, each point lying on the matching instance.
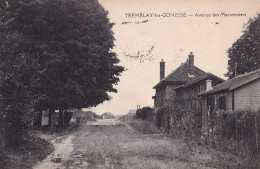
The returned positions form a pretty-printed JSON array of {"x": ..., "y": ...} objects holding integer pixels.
[{"x": 109, "y": 144}]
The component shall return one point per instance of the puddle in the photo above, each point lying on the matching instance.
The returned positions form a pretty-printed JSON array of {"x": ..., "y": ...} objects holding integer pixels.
[{"x": 63, "y": 147}]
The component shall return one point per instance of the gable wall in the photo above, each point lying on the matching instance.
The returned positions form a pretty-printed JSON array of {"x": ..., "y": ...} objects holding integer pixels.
[
  {"x": 248, "y": 96},
  {"x": 170, "y": 92},
  {"x": 160, "y": 96}
]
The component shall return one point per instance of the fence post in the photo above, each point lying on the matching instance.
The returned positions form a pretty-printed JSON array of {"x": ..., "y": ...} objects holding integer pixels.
[
  {"x": 257, "y": 138},
  {"x": 237, "y": 135}
]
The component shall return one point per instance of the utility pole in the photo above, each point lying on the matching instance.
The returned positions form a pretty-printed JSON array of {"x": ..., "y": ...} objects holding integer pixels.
[
  {"x": 235, "y": 69},
  {"x": 237, "y": 134}
]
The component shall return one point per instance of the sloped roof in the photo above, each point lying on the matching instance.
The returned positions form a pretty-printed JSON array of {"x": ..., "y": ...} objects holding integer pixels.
[
  {"x": 182, "y": 74},
  {"x": 198, "y": 79},
  {"x": 107, "y": 114},
  {"x": 131, "y": 112},
  {"x": 235, "y": 82}
]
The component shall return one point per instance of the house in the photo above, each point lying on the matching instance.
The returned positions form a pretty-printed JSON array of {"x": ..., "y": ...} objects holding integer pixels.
[
  {"x": 128, "y": 117},
  {"x": 240, "y": 92},
  {"x": 108, "y": 115},
  {"x": 183, "y": 85}
]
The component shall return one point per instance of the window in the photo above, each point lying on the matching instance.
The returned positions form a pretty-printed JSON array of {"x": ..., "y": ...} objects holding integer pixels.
[{"x": 222, "y": 103}]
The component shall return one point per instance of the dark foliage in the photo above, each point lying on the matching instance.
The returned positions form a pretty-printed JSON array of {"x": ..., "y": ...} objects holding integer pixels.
[
  {"x": 56, "y": 55},
  {"x": 145, "y": 113},
  {"x": 29, "y": 151},
  {"x": 239, "y": 126},
  {"x": 246, "y": 50},
  {"x": 179, "y": 121}
]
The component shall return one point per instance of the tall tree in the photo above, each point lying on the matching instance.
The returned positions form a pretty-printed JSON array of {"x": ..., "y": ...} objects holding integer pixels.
[
  {"x": 67, "y": 49},
  {"x": 246, "y": 50}
]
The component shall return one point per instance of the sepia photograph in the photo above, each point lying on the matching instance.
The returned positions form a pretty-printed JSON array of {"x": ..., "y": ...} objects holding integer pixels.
[{"x": 129, "y": 84}]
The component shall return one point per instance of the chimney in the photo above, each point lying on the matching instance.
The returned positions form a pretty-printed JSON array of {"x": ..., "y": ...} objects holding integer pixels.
[
  {"x": 191, "y": 59},
  {"x": 162, "y": 69},
  {"x": 208, "y": 85}
]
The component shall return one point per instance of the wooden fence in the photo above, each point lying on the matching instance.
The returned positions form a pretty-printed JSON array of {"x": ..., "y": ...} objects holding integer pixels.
[{"x": 237, "y": 130}]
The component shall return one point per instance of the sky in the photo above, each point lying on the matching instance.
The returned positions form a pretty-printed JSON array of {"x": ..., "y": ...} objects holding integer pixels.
[{"x": 204, "y": 31}]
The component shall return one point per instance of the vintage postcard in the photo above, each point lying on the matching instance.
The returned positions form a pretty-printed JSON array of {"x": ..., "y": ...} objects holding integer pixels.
[{"x": 129, "y": 84}]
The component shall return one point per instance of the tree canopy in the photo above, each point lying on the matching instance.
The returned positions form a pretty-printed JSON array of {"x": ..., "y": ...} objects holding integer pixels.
[
  {"x": 71, "y": 42},
  {"x": 55, "y": 54},
  {"x": 246, "y": 50}
]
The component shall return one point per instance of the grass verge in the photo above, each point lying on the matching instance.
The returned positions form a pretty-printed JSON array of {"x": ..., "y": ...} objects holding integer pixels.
[
  {"x": 26, "y": 154},
  {"x": 199, "y": 155},
  {"x": 145, "y": 127}
]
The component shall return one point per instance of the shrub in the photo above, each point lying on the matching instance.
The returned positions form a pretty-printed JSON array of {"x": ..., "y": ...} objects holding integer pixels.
[
  {"x": 145, "y": 113},
  {"x": 237, "y": 130},
  {"x": 179, "y": 121},
  {"x": 145, "y": 127}
]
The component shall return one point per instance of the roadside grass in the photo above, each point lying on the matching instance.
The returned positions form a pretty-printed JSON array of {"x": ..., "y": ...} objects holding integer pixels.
[
  {"x": 206, "y": 156},
  {"x": 26, "y": 153},
  {"x": 32, "y": 148},
  {"x": 145, "y": 127},
  {"x": 196, "y": 155},
  {"x": 117, "y": 147}
]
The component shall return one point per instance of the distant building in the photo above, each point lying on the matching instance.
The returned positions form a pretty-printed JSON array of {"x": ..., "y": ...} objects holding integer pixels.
[
  {"x": 128, "y": 117},
  {"x": 108, "y": 115},
  {"x": 131, "y": 112}
]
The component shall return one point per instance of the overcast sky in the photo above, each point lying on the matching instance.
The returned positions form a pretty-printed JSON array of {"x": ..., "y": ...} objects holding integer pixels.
[{"x": 171, "y": 39}]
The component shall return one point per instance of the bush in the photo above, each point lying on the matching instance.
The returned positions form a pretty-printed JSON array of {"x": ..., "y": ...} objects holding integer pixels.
[
  {"x": 26, "y": 154},
  {"x": 145, "y": 127},
  {"x": 179, "y": 121},
  {"x": 237, "y": 130},
  {"x": 145, "y": 113}
]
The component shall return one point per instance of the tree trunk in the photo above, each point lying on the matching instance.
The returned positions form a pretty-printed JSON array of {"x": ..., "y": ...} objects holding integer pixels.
[
  {"x": 38, "y": 119},
  {"x": 3, "y": 140},
  {"x": 52, "y": 119},
  {"x": 67, "y": 118},
  {"x": 61, "y": 118},
  {"x": 14, "y": 128},
  {"x": 51, "y": 111}
]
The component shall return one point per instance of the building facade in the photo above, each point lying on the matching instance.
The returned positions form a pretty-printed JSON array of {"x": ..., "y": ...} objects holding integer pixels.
[
  {"x": 240, "y": 92},
  {"x": 183, "y": 85},
  {"x": 165, "y": 89},
  {"x": 187, "y": 95}
]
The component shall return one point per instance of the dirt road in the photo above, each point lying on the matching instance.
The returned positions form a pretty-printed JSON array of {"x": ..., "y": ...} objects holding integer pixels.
[{"x": 113, "y": 145}]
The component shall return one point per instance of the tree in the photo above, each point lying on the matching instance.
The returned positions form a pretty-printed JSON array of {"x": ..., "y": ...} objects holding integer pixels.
[
  {"x": 17, "y": 85},
  {"x": 59, "y": 55},
  {"x": 246, "y": 50}
]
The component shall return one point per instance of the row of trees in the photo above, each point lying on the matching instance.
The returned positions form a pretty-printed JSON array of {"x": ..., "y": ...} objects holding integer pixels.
[{"x": 54, "y": 55}]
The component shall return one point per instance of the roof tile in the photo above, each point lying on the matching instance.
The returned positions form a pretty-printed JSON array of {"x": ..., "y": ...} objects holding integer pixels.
[{"x": 183, "y": 73}]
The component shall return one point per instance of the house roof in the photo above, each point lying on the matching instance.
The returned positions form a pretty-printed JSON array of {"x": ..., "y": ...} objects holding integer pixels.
[
  {"x": 131, "y": 112},
  {"x": 198, "y": 79},
  {"x": 107, "y": 114},
  {"x": 184, "y": 73},
  {"x": 235, "y": 82}
]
